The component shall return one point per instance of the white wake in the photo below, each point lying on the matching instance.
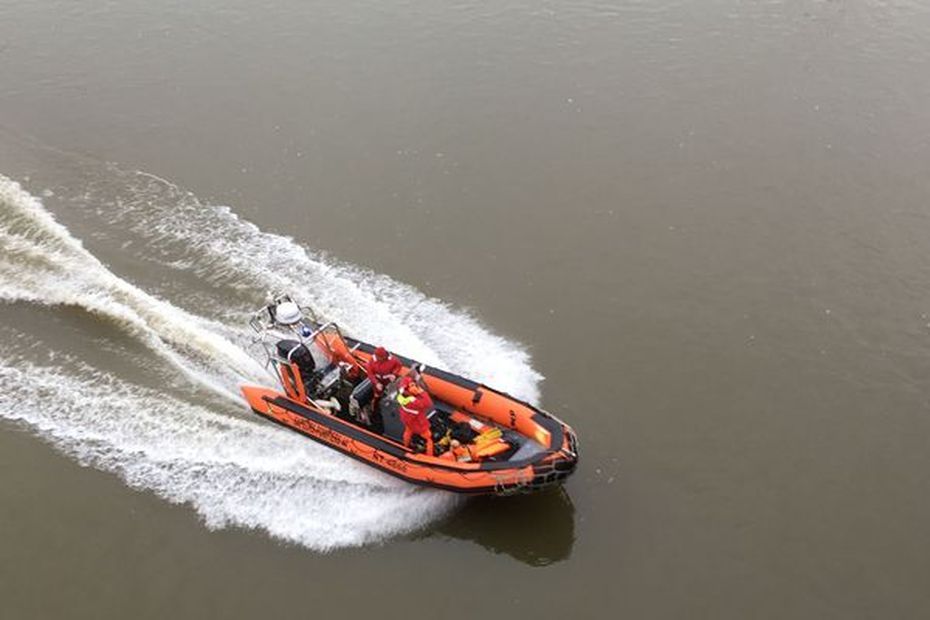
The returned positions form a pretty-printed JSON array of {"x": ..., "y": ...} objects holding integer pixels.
[
  {"x": 232, "y": 469},
  {"x": 214, "y": 243}
]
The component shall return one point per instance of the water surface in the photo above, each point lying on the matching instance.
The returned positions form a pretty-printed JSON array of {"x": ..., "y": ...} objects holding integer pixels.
[{"x": 696, "y": 231}]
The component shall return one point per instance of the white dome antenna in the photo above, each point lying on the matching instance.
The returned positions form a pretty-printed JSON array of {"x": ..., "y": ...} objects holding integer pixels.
[{"x": 287, "y": 313}]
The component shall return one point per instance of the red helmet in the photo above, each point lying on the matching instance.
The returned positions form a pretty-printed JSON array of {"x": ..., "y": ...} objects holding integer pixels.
[
  {"x": 409, "y": 386},
  {"x": 381, "y": 353}
]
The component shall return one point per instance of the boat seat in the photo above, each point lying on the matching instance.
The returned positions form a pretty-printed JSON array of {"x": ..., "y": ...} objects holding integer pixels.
[{"x": 363, "y": 393}]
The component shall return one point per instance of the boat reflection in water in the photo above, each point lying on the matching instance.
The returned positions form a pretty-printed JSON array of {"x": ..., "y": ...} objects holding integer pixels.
[{"x": 536, "y": 529}]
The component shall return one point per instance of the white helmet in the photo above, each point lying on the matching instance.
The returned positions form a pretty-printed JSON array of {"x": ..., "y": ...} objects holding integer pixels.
[{"x": 287, "y": 313}]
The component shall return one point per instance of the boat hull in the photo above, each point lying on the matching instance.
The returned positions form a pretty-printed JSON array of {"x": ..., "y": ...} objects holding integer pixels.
[{"x": 473, "y": 478}]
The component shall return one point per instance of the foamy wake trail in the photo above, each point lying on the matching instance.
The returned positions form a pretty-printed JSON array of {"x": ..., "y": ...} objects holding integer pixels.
[
  {"x": 41, "y": 262},
  {"x": 232, "y": 471},
  {"x": 224, "y": 249}
]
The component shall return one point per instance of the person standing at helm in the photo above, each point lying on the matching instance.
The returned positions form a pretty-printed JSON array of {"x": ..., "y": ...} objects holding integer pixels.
[
  {"x": 382, "y": 369},
  {"x": 415, "y": 407}
]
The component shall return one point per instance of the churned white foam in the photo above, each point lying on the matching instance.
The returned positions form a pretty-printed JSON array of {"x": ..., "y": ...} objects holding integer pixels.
[
  {"x": 41, "y": 262},
  {"x": 232, "y": 471},
  {"x": 222, "y": 248}
]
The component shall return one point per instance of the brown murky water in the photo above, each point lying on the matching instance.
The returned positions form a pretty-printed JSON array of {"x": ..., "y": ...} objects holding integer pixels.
[{"x": 705, "y": 224}]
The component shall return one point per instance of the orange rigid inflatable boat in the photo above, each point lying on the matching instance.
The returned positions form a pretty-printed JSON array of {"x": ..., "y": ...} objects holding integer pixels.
[{"x": 486, "y": 442}]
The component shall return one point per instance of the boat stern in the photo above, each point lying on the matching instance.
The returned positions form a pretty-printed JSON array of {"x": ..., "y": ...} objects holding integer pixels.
[{"x": 258, "y": 396}]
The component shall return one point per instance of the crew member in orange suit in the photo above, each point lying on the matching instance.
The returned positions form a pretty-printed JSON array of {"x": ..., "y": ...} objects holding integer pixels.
[
  {"x": 415, "y": 407},
  {"x": 382, "y": 369}
]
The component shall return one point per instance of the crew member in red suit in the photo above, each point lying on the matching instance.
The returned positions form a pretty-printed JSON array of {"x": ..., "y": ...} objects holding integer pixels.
[
  {"x": 382, "y": 369},
  {"x": 415, "y": 407}
]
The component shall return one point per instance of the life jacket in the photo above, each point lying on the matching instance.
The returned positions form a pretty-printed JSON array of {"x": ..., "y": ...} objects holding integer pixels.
[
  {"x": 486, "y": 445},
  {"x": 462, "y": 454}
]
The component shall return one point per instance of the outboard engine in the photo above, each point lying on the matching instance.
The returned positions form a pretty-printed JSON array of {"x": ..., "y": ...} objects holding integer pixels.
[
  {"x": 300, "y": 359},
  {"x": 299, "y": 354}
]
